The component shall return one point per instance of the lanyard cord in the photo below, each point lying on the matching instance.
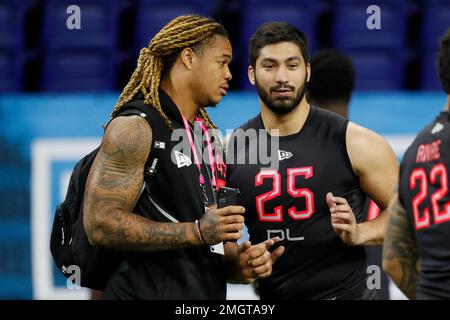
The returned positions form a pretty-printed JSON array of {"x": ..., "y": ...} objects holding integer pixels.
[
  {"x": 194, "y": 151},
  {"x": 213, "y": 192},
  {"x": 212, "y": 161}
]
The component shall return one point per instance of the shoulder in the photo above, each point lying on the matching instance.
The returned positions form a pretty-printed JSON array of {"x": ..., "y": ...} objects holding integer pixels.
[
  {"x": 358, "y": 136},
  {"x": 327, "y": 125},
  {"x": 323, "y": 117},
  {"x": 238, "y": 134},
  {"x": 326, "y": 122},
  {"x": 127, "y": 136},
  {"x": 252, "y": 123},
  {"x": 245, "y": 129},
  {"x": 367, "y": 148}
]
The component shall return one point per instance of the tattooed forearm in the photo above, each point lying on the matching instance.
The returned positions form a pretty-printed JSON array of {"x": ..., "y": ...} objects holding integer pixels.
[
  {"x": 209, "y": 228},
  {"x": 113, "y": 186},
  {"x": 131, "y": 232},
  {"x": 400, "y": 255}
]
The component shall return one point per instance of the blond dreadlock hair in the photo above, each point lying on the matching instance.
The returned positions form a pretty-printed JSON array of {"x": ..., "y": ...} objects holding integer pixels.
[{"x": 181, "y": 32}]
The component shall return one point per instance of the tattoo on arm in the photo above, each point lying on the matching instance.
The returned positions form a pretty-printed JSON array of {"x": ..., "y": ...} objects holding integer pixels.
[
  {"x": 400, "y": 249},
  {"x": 113, "y": 187}
]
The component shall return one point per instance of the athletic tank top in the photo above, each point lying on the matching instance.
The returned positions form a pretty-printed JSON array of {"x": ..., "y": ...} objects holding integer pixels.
[{"x": 288, "y": 199}]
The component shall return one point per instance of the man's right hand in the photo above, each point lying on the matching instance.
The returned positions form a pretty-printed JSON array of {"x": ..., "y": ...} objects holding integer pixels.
[{"x": 224, "y": 224}]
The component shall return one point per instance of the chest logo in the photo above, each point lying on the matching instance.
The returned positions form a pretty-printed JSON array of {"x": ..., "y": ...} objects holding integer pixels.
[
  {"x": 437, "y": 127},
  {"x": 182, "y": 159},
  {"x": 283, "y": 155}
]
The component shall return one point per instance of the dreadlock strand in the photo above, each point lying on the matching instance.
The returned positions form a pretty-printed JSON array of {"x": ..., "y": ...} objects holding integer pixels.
[
  {"x": 194, "y": 32},
  {"x": 206, "y": 119},
  {"x": 209, "y": 125},
  {"x": 132, "y": 86},
  {"x": 146, "y": 76},
  {"x": 169, "y": 42},
  {"x": 152, "y": 82},
  {"x": 185, "y": 23}
]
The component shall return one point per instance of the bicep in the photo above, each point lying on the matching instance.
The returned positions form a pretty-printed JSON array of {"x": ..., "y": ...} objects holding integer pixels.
[
  {"x": 116, "y": 176},
  {"x": 374, "y": 162}
]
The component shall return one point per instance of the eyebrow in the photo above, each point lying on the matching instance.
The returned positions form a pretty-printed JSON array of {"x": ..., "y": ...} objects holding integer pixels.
[
  {"x": 226, "y": 56},
  {"x": 290, "y": 59},
  {"x": 293, "y": 59}
]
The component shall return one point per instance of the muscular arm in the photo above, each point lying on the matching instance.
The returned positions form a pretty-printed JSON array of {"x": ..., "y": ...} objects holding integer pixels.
[
  {"x": 376, "y": 166},
  {"x": 400, "y": 255},
  {"x": 112, "y": 188}
]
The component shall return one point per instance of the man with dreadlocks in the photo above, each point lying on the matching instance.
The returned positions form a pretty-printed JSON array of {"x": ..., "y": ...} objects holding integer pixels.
[{"x": 169, "y": 235}]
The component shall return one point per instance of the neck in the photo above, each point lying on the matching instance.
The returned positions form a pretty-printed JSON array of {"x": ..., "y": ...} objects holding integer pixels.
[
  {"x": 447, "y": 105},
  {"x": 181, "y": 95},
  {"x": 286, "y": 124}
]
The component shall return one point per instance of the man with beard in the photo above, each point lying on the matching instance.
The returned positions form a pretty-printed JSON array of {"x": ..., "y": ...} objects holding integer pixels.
[{"x": 312, "y": 191}]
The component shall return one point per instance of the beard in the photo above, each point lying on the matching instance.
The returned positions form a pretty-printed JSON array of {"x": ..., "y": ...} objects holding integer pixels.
[{"x": 281, "y": 105}]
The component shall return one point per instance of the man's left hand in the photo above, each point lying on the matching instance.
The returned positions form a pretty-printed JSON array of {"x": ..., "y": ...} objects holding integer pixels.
[
  {"x": 343, "y": 220},
  {"x": 255, "y": 261}
]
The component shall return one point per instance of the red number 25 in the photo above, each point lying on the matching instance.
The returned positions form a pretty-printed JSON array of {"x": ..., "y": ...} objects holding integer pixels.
[{"x": 277, "y": 215}]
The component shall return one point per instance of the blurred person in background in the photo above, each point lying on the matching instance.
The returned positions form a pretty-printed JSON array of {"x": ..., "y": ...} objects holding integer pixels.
[
  {"x": 416, "y": 251},
  {"x": 332, "y": 81},
  {"x": 324, "y": 168},
  {"x": 167, "y": 240}
]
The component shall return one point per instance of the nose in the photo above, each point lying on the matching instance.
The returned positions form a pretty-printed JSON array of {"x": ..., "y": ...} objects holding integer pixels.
[
  {"x": 281, "y": 75},
  {"x": 228, "y": 75}
]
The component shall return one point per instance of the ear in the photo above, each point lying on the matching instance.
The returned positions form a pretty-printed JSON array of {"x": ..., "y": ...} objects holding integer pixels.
[
  {"x": 187, "y": 57},
  {"x": 308, "y": 70},
  {"x": 251, "y": 75}
]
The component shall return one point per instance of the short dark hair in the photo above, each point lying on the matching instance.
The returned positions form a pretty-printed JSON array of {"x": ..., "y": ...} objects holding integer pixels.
[
  {"x": 444, "y": 62},
  {"x": 332, "y": 77},
  {"x": 276, "y": 32}
]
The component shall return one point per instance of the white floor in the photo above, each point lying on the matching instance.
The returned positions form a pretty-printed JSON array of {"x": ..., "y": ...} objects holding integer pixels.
[{"x": 240, "y": 292}]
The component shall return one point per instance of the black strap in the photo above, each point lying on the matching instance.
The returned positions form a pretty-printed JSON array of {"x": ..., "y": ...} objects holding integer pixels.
[{"x": 151, "y": 168}]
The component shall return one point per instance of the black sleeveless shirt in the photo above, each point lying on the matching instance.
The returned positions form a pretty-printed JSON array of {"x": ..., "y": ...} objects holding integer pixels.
[
  {"x": 424, "y": 192},
  {"x": 289, "y": 200},
  {"x": 190, "y": 273}
]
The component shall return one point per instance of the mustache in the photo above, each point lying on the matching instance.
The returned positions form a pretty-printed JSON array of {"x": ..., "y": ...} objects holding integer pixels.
[{"x": 276, "y": 88}]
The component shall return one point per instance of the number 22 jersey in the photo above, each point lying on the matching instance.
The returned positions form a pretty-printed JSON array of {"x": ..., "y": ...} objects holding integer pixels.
[
  {"x": 287, "y": 198},
  {"x": 424, "y": 192}
]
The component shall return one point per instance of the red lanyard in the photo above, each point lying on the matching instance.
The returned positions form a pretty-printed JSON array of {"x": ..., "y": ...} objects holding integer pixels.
[{"x": 193, "y": 149}]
